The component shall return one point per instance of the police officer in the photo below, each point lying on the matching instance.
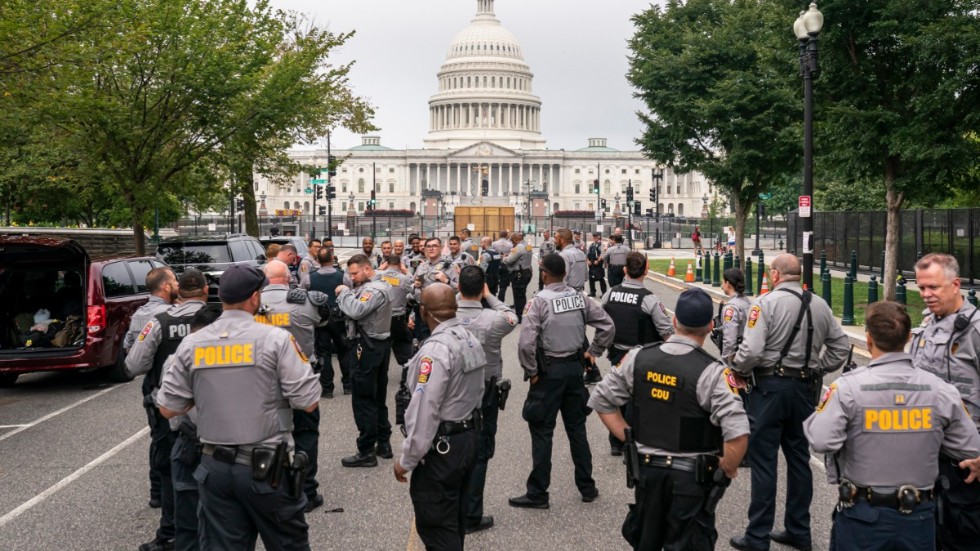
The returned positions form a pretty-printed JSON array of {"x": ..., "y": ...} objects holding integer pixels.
[
  {"x": 576, "y": 269},
  {"x": 885, "y": 426},
  {"x": 490, "y": 264},
  {"x": 401, "y": 289},
  {"x": 434, "y": 268},
  {"x": 489, "y": 325},
  {"x": 597, "y": 273},
  {"x": 399, "y": 250},
  {"x": 547, "y": 247},
  {"x": 441, "y": 441},
  {"x": 298, "y": 312},
  {"x": 468, "y": 246},
  {"x": 457, "y": 257},
  {"x": 242, "y": 458},
  {"x": 639, "y": 317},
  {"x": 615, "y": 259},
  {"x": 947, "y": 344},
  {"x": 518, "y": 265},
  {"x": 309, "y": 263},
  {"x": 369, "y": 308},
  {"x": 784, "y": 334},
  {"x": 386, "y": 250},
  {"x": 331, "y": 334},
  {"x": 577, "y": 240},
  {"x": 733, "y": 314},
  {"x": 413, "y": 257},
  {"x": 685, "y": 414},
  {"x": 163, "y": 287},
  {"x": 550, "y": 352},
  {"x": 287, "y": 255},
  {"x": 503, "y": 246},
  {"x": 158, "y": 341},
  {"x": 367, "y": 248}
]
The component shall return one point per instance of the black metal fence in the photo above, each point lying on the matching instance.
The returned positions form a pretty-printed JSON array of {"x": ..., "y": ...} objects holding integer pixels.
[{"x": 921, "y": 231}]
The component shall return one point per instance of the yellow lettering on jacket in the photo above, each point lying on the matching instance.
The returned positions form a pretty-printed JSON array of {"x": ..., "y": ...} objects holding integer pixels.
[
  {"x": 280, "y": 319},
  {"x": 661, "y": 379},
  {"x": 224, "y": 355},
  {"x": 660, "y": 394},
  {"x": 898, "y": 419}
]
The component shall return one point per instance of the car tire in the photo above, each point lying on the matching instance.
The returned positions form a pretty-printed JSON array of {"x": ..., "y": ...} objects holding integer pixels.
[
  {"x": 7, "y": 380},
  {"x": 117, "y": 372}
]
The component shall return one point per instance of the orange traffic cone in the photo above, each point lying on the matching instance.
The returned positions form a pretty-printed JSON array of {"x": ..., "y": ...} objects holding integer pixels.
[
  {"x": 671, "y": 272},
  {"x": 690, "y": 272},
  {"x": 765, "y": 285}
]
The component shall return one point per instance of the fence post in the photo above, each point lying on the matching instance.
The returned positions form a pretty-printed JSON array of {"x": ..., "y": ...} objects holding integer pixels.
[
  {"x": 716, "y": 276},
  {"x": 738, "y": 263},
  {"x": 762, "y": 271},
  {"x": 854, "y": 265},
  {"x": 873, "y": 290},
  {"x": 900, "y": 291},
  {"x": 882, "y": 264},
  {"x": 707, "y": 269},
  {"x": 823, "y": 262},
  {"x": 848, "y": 317},
  {"x": 826, "y": 283},
  {"x": 972, "y": 297},
  {"x": 748, "y": 276}
]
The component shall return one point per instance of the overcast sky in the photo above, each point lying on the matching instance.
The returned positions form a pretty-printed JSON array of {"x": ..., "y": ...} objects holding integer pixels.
[{"x": 575, "y": 48}]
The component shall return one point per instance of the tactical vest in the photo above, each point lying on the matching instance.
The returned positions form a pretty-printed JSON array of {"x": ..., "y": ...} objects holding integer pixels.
[
  {"x": 633, "y": 325},
  {"x": 493, "y": 267},
  {"x": 595, "y": 251},
  {"x": 666, "y": 412},
  {"x": 327, "y": 284},
  {"x": 173, "y": 329}
]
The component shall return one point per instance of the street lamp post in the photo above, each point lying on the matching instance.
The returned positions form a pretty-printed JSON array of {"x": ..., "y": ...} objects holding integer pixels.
[
  {"x": 529, "y": 186},
  {"x": 758, "y": 230},
  {"x": 807, "y": 28},
  {"x": 657, "y": 176}
]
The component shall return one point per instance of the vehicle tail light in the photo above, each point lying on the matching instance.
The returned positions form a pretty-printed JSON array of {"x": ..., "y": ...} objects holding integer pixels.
[{"x": 96, "y": 319}]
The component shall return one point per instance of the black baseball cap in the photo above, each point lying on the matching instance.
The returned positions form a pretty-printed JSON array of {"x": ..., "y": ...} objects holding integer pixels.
[
  {"x": 694, "y": 309},
  {"x": 239, "y": 282}
]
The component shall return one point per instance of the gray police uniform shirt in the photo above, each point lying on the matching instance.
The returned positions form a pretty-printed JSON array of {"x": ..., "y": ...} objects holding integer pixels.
[
  {"x": 547, "y": 247},
  {"x": 460, "y": 261},
  {"x": 427, "y": 272},
  {"x": 490, "y": 326},
  {"x": 519, "y": 258},
  {"x": 558, "y": 315},
  {"x": 445, "y": 378},
  {"x": 616, "y": 255},
  {"x": 888, "y": 422},
  {"x": 235, "y": 406},
  {"x": 141, "y": 317},
  {"x": 307, "y": 265},
  {"x": 652, "y": 306},
  {"x": 411, "y": 261},
  {"x": 733, "y": 317},
  {"x": 769, "y": 324},
  {"x": 369, "y": 307},
  {"x": 469, "y": 247},
  {"x": 936, "y": 340},
  {"x": 298, "y": 319},
  {"x": 139, "y": 361},
  {"x": 191, "y": 414},
  {"x": 503, "y": 246},
  {"x": 400, "y": 286},
  {"x": 576, "y": 267},
  {"x": 715, "y": 393}
]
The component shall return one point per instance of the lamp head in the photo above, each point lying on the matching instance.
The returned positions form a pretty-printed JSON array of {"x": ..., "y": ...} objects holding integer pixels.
[
  {"x": 813, "y": 20},
  {"x": 799, "y": 28}
]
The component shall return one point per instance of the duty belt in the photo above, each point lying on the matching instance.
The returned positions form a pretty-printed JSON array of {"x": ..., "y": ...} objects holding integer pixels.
[
  {"x": 904, "y": 498},
  {"x": 449, "y": 428},
  {"x": 229, "y": 454},
  {"x": 772, "y": 371},
  {"x": 686, "y": 464},
  {"x": 574, "y": 357}
]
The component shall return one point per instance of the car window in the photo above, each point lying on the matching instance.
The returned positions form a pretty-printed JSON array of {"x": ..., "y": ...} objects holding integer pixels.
[
  {"x": 116, "y": 280},
  {"x": 240, "y": 251},
  {"x": 257, "y": 250},
  {"x": 140, "y": 268},
  {"x": 194, "y": 253}
]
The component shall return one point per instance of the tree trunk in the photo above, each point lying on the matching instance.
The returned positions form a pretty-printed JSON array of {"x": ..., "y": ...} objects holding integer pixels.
[
  {"x": 246, "y": 184},
  {"x": 139, "y": 236},
  {"x": 894, "y": 202},
  {"x": 741, "y": 213}
]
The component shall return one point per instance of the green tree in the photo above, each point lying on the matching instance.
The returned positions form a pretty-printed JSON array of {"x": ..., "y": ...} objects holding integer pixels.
[
  {"x": 719, "y": 96},
  {"x": 897, "y": 101}
]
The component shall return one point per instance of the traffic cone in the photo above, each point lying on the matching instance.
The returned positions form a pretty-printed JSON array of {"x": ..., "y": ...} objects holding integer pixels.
[
  {"x": 765, "y": 284},
  {"x": 690, "y": 272},
  {"x": 671, "y": 272}
]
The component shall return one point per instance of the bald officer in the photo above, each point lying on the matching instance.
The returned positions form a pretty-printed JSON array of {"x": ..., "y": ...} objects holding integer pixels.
[
  {"x": 550, "y": 352},
  {"x": 615, "y": 260},
  {"x": 784, "y": 335},
  {"x": 368, "y": 306},
  {"x": 688, "y": 422},
  {"x": 947, "y": 344},
  {"x": 576, "y": 265},
  {"x": 298, "y": 312},
  {"x": 237, "y": 500},
  {"x": 886, "y": 425},
  {"x": 489, "y": 325},
  {"x": 441, "y": 442},
  {"x": 518, "y": 265}
]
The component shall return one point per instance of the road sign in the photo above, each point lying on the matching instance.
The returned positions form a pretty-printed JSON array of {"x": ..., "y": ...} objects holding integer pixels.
[
  {"x": 318, "y": 182},
  {"x": 805, "y": 205},
  {"x": 598, "y": 214},
  {"x": 308, "y": 190}
]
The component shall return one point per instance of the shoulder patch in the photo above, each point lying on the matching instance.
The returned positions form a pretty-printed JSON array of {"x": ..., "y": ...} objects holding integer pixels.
[
  {"x": 754, "y": 313},
  {"x": 365, "y": 297},
  {"x": 527, "y": 307},
  {"x": 425, "y": 368},
  {"x": 146, "y": 331},
  {"x": 729, "y": 313},
  {"x": 299, "y": 351},
  {"x": 826, "y": 397},
  {"x": 511, "y": 318},
  {"x": 735, "y": 382},
  {"x": 663, "y": 309},
  {"x": 304, "y": 267}
]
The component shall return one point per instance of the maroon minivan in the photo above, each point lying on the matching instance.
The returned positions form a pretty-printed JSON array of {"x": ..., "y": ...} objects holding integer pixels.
[{"x": 63, "y": 310}]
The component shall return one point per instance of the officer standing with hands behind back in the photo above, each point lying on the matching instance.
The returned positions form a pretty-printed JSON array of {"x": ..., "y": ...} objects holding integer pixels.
[
  {"x": 518, "y": 265},
  {"x": 784, "y": 334},
  {"x": 689, "y": 427},
  {"x": 550, "y": 352},
  {"x": 442, "y": 422},
  {"x": 250, "y": 481},
  {"x": 886, "y": 425}
]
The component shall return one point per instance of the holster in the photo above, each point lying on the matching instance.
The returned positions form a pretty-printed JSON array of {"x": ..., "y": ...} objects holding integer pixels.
[
  {"x": 402, "y": 398},
  {"x": 267, "y": 464},
  {"x": 503, "y": 391},
  {"x": 719, "y": 483},
  {"x": 541, "y": 360},
  {"x": 190, "y": 452},
  {"x": 297, "y": 474},
  {"x": 631, "y": 456},
  {"x": 705, "y": 467}
]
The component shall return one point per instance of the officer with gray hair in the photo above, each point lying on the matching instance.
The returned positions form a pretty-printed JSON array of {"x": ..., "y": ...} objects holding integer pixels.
[
  {"x": 688, "y": 424},
  {"x": 885, "y": 426}
]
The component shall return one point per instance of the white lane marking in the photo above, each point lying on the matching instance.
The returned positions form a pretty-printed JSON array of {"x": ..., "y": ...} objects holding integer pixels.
[
  {"x": 27, "y": 505},
  {"x": 22, "y": 428},
  {"x": 11, "y": 426}
]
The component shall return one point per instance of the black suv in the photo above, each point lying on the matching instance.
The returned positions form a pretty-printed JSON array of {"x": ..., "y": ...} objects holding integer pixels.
[{"x": 211, "y": 255}]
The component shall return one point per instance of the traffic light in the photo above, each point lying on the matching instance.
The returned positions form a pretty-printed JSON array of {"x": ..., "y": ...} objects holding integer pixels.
[
  {"x": 323, "y": 211},
  {"x": 332, "y": 165},
  {"x": 595, "y": 186},
  {"x": 239, "y": 204},
  {"x": 650, "y": 213},
  {"x": 319, "y": 192},
  {"x": 636, "y": 209},
  {"x": 762, "y": 210},
  {"x": 629, "y": 194},
  {"x": 602, "y": 204},
  {"x": 485, "y": 188},
  {"x": 331, "y": 192},
  {"x": 653, "y": 194},
  {"x": 373, "y": 201}
]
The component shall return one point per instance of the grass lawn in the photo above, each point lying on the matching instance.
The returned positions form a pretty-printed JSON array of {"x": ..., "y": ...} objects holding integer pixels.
[{"x": 913, "y": 300}]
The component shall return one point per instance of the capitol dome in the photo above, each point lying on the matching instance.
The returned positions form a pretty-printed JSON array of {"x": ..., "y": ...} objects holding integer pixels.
[{"x": 485, "y": 90}]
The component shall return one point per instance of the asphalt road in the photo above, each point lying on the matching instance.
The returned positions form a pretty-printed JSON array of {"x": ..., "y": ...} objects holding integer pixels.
[{"x": 73, "y": 456}]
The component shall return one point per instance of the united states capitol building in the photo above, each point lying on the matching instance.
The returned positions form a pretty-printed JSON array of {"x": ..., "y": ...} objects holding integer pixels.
[{"x": 486, "y": 146}]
